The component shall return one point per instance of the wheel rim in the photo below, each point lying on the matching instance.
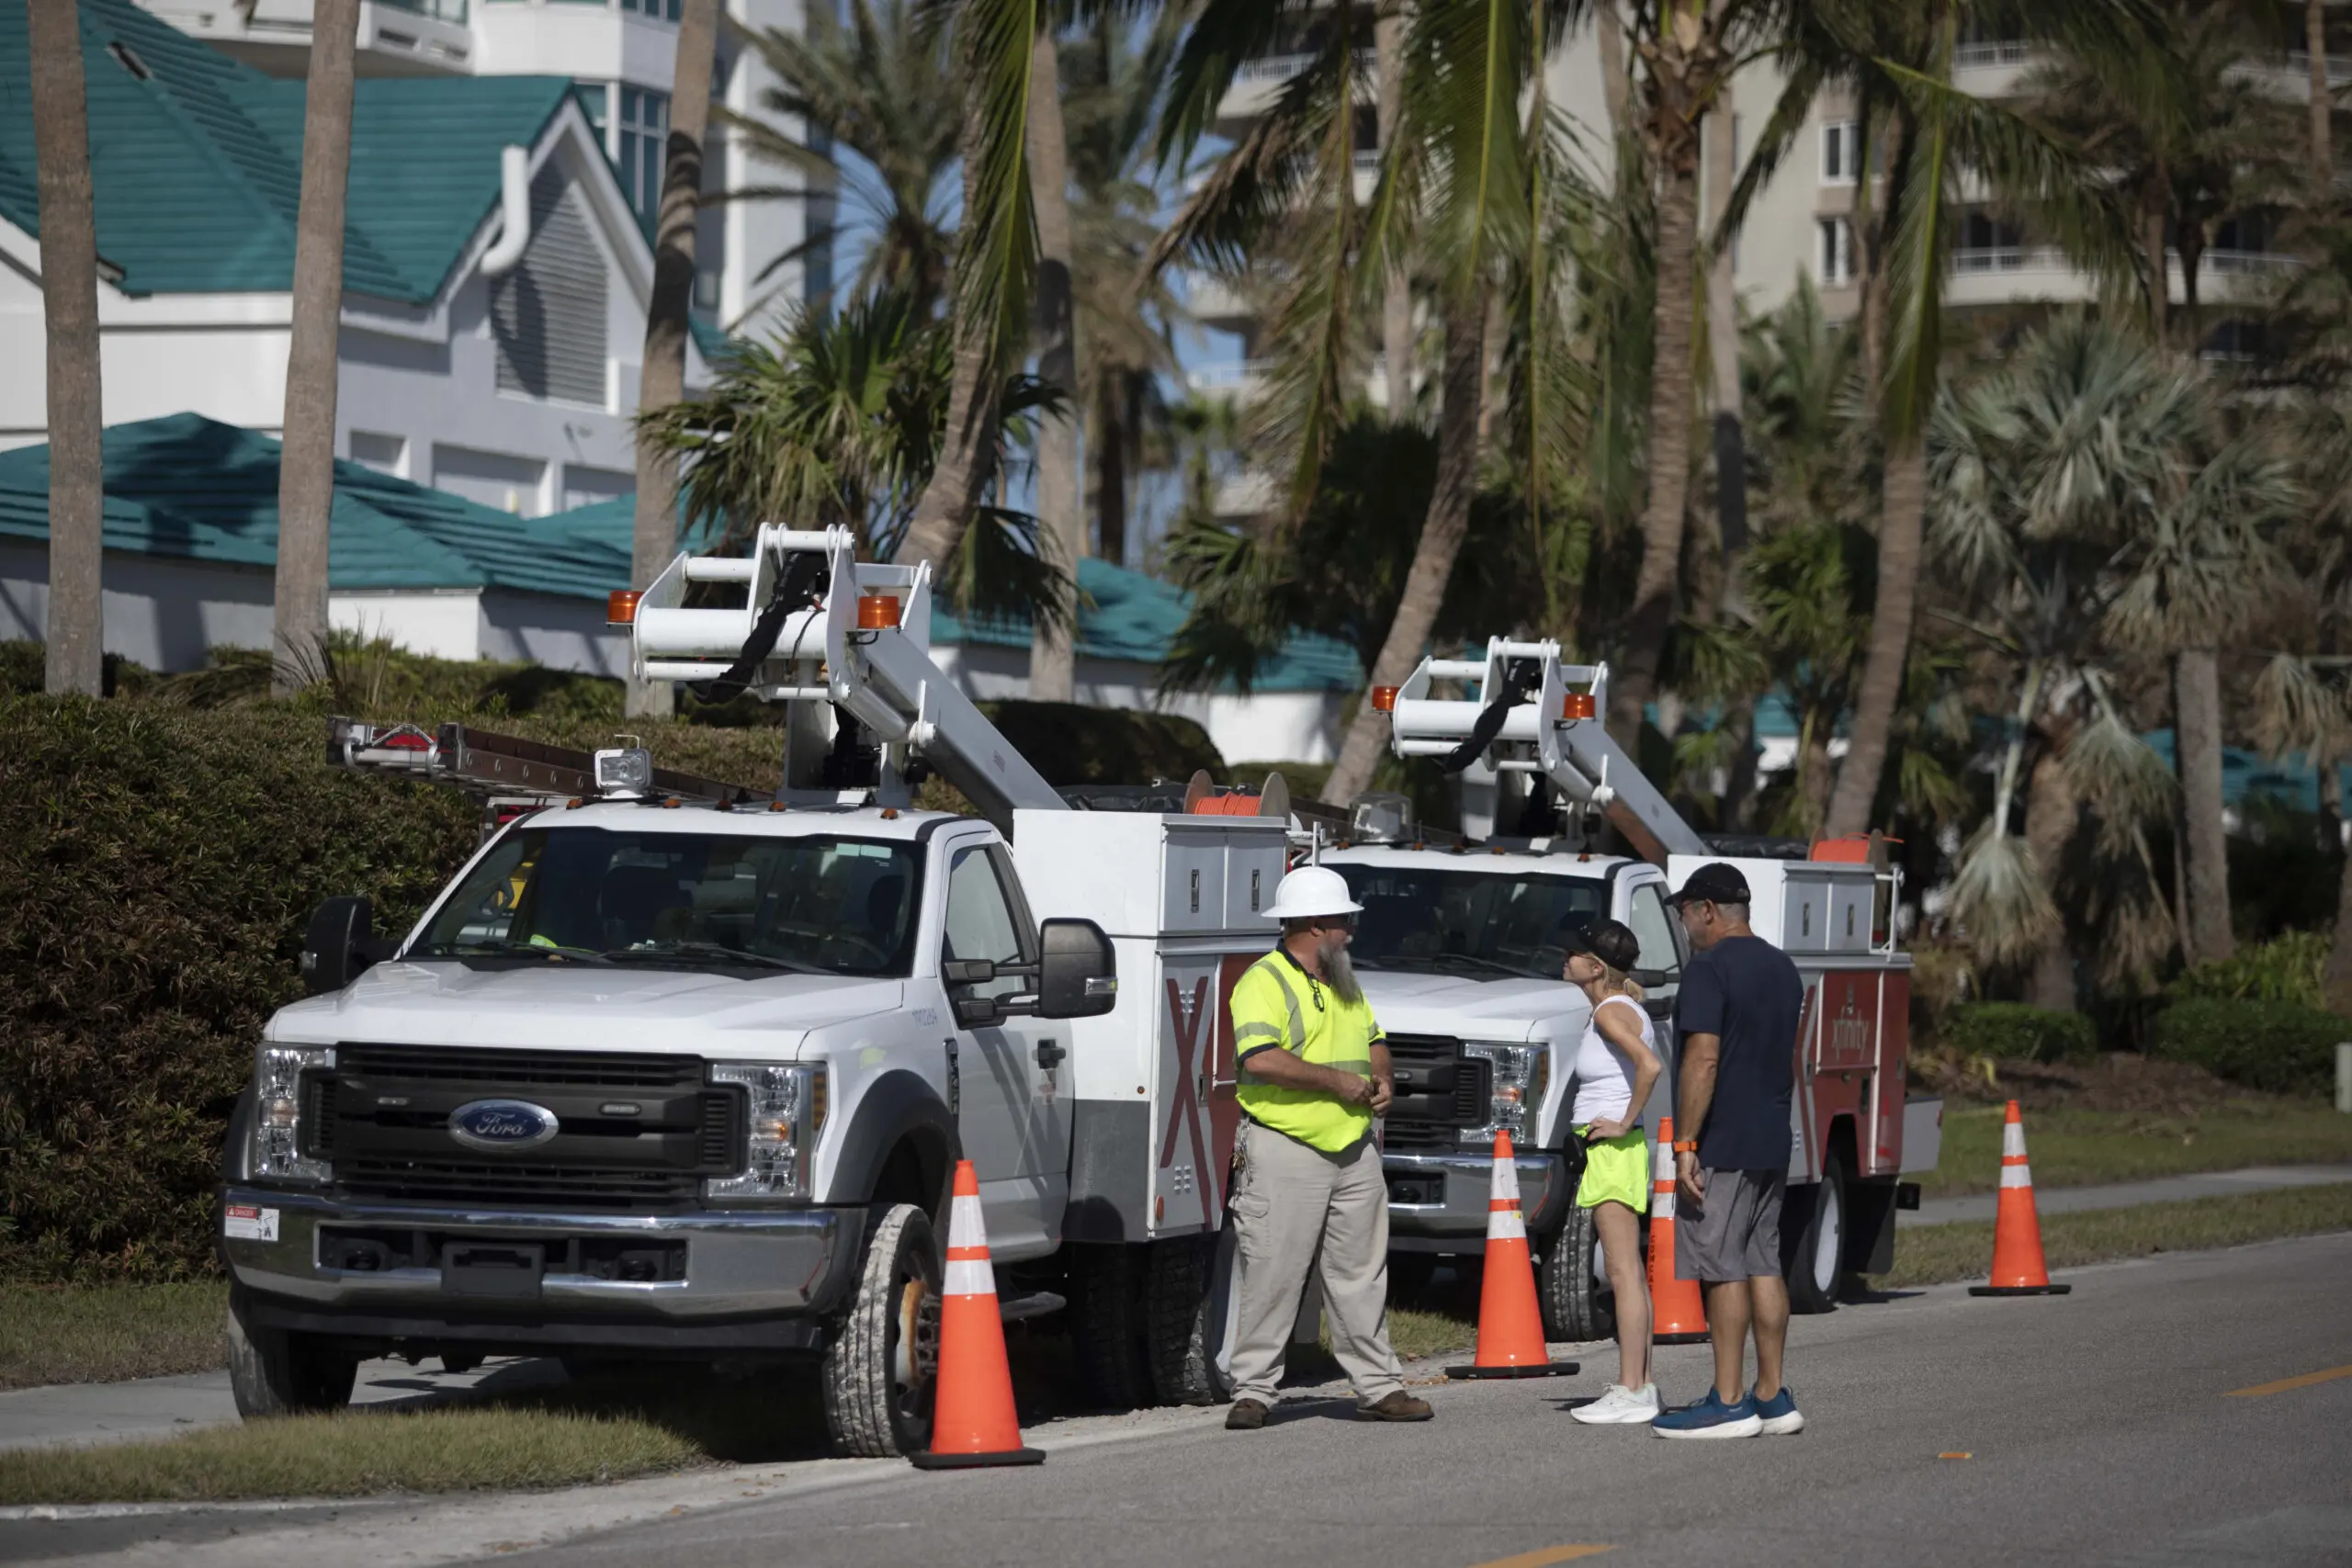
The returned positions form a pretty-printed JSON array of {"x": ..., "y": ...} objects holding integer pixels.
[
  {"x": 914, "y": 1348},
  {"x": 1830, "y": 1245}
]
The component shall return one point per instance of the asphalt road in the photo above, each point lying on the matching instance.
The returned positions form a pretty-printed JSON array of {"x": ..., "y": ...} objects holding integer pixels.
[{"x": 2135, "y": 1422}]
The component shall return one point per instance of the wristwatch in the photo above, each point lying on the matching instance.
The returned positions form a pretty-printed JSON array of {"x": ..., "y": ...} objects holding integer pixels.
[{"x": 1690, "y": 1147}]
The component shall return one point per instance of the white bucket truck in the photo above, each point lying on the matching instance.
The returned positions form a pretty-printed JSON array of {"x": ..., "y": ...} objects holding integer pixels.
[
  {"x": 1460, "y": 949},
  {"x": 672, "y": 1069}
]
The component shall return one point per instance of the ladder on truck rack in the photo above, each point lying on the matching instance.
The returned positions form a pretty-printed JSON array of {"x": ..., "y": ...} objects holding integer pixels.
[
  {"x": 506, "y": 775},
  {"x": 845, "y": 644},
  {"x": 1536, "y": 715}
]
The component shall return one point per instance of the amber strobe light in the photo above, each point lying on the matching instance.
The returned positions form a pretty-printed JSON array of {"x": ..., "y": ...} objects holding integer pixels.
[
  {"x": 1384, "y": 699},
  {"x": 1576, "y": 705},
  {"x": 620, "y": 606},
  {"x": 877, "y": 611}
]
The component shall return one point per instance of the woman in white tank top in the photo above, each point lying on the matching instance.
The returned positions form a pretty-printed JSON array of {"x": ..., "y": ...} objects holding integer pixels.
[{"x": 1617, "y": 1065}]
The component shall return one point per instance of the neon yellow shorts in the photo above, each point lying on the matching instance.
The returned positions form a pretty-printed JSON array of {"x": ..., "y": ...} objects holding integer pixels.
[{"x": 1617, "y": 1170}]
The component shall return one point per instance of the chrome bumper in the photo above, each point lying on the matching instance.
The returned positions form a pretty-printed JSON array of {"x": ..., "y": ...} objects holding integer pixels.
[
  {"x": 1466, "y": 1183},
  {"x": 738, "y": 1262}
]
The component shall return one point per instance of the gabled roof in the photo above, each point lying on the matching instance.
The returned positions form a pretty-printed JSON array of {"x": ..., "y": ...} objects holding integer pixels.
[
  {"x": 197, "y": 165},
  {"x": 194, "y": 489}
]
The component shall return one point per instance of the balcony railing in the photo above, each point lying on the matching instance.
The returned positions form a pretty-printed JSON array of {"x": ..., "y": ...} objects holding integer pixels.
[
  {"x": 437, "y": 10},
  {"x": 2004, "y": 52},
  {"x": 2339, "y": 67},
  {"x": 1234, "y": 376},
  {"x": 2242, "y": 262},
  {"x": 1283, "y": 67},
  {"x": 2010, "y": 258}
]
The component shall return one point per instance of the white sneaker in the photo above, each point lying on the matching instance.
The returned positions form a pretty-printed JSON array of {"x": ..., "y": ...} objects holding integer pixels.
[{"x": 1619, "y": 1407}]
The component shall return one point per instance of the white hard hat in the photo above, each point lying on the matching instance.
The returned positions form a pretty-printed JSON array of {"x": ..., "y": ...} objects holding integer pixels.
[{"x": 1310, "y": 891}]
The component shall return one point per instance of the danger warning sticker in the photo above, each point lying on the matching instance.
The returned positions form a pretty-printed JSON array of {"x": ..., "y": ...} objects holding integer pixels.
[{"x": 243, "y": 1222}]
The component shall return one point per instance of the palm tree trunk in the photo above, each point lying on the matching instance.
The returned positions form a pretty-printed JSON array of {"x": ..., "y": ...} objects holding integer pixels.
[
  {"x": 663, "y": 378},
  {"x": 2050, "y": 813},
  {"x": 306, "y": 461},
  {"x": 1111, "y": 394},
  {"x": 69, "y": 293},
  {"x": 1441, "y": 533},
  {"x": 1722, "y": 355},
  {"x": 1061, "y": 532},
  {"x": 2315, "y": 44},
  {"x": 2197, "y": 741},
  {"x": 967, "y": 446},
  {"x": 1397, "y": 296},
  {"x": 2337, "y": 984},
  {"x": 1669, "y": 441},
  {"x": 2192, "y": 258},
  {"x": 2152, "y": 242},
  {"x": 1903, "y": 506}
]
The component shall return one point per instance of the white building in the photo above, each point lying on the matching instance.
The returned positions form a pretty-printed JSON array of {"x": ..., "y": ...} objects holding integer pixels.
[
  {"x": 623, "y": 56},
  {"x": 502, "y": 368}
]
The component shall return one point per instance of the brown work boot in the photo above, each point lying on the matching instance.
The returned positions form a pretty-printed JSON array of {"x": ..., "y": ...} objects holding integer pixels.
[
  {"x": 1397, "y": 1406},
  {"x": 1247, "y": 1415}
]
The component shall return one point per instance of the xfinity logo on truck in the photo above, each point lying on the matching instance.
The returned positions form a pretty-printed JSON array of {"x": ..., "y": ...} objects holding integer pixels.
[{"x": 502, "y": 1124}]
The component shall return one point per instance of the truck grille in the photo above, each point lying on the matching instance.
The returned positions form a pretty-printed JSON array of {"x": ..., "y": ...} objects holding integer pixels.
[
  {"x": 635, "y": 1132},
  {"x": 1439, "y": 1092}
]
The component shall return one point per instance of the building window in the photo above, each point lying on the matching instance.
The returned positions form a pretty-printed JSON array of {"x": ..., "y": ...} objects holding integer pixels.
[
  {"x": 1834, "y": 252},
  {"x": 644, "y": 133},
  {"x": 660, "y": 10},
  {"x": 1841, "y": 152},
  {"x": 385, "y": 454}
]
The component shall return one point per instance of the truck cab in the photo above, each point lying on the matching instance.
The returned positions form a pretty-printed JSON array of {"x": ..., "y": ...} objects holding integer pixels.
[{"x": 1460, "y": 951}]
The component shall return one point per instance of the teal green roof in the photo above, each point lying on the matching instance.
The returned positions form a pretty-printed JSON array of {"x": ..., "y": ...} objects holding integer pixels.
[
  {"x": 193, "y": 489},
  {"x": 197, "y": 168},
  {"x": 1133, "y": 618}
]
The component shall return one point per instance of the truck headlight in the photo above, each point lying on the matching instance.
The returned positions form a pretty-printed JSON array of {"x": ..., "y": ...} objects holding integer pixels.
[
  {"x": 787, "y": 1107},
  {"x": 1520, "y": 1075},
  {"x": 281, "y": 1101}
]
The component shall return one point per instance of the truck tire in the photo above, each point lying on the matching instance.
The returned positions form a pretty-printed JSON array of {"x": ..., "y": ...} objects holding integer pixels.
[
  {"x": 1108, "y": 1328},
  {"x": 1816, "y": 1267},
  {"x": 274, "y": 1371},
  {"x": 878, "y": 1370},
  {"x": 1572, "y": 1287},
  {"x": 1189, "y": 1307}
]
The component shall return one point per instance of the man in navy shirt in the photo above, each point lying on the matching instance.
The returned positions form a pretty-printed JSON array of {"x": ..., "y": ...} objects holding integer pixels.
[{"x": 1738, "y": 1015}]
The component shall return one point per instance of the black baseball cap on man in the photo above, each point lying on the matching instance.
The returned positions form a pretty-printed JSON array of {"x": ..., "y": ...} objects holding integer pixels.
[
  {"x": 1612, "y": 941},
  {"x": 1714, "y": 883}
]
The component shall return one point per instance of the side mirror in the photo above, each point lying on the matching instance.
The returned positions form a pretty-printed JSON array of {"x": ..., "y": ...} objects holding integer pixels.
[
  {"x": 1647, "y": 977},
  {"x": 1076, "y": 974},
  {"x": 339, "y": 945}
]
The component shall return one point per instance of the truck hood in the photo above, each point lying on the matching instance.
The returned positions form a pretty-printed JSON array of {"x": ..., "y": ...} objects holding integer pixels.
[
  {"x": 1502, "y": 1008},
  {"x": 584, "y": 1009}
]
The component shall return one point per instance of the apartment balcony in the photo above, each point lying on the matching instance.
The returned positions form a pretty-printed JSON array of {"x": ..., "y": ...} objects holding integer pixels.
[
  {"x": 1249, "y": 493},
  {"x": 1242, "y": 380},
  {"x": 2011, "y": 275},
  {"x": 1214, "y": 302},
  {"x": 2288, "y": 76},
  {"x": 397, "y": 38},
  {"x": 1992, "y": 70},
  {"x": 1260, "y": 81}
]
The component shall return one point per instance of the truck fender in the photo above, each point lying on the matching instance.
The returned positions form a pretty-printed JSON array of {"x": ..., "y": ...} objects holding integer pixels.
[{"x": 897, "y": 1106}]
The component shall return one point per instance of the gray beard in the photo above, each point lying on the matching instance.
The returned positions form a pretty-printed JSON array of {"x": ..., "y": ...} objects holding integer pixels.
[{"x": 1339, "y": 973}]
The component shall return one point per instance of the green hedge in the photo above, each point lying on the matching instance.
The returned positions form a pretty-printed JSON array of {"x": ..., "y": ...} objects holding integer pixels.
[
  {"x": 1073, "y": 744},
  {"x": 2283, "y": 1047},
  {"x": 2012, "y": 1031},
  {"x": 2290, "y": 967}
]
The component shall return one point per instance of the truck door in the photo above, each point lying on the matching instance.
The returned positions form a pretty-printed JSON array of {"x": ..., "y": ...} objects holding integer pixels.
[
  {"x": 1014, "y": 1077},
  {"x": 1659, "y": 931}
]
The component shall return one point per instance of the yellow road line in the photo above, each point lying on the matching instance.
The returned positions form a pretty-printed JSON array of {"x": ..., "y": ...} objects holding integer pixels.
[
  {"x": 2283, "y": 1385},
  {"x": 1546, "y": 1556}
]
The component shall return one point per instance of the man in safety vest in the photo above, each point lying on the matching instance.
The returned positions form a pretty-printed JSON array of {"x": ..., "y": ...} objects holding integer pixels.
[{"x": 1314, "y": 1072}]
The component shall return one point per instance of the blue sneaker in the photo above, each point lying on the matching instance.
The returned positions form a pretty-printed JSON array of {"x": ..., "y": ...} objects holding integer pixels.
[
  {"x": 1711, "y": 1417},
  {"x": 1779, "y": 1414}
]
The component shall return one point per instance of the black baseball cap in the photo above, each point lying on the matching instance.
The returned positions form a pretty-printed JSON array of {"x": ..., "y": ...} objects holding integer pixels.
[
  {"x": 1714, "y": 883},
  {"x": 1612, "y": 941}
]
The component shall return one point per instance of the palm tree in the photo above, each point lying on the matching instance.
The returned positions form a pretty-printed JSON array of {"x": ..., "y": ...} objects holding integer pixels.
[
  {"x": 663, "y": 378},
  {"x": 69, "y": 293},
  {"x": 1894, "y": 64},
  {"x": 1061, "y": 531},
  {"x": 884, "y": 85},
  {"x": 2089, "y": 505},
  {"x": 306, "y": 460}
]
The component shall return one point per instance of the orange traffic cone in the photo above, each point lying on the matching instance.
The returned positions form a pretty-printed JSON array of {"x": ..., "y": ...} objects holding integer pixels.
[
  {"x": 973, "y": 1423},
  {"x": 2017, "y": 1268},
  {"x": 1511, "y": 1329},
  {"x": 1678, "y": 1308}
]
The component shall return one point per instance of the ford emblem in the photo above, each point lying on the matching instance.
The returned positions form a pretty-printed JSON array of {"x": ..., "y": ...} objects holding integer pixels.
[{"x": 500, "y": 1125}]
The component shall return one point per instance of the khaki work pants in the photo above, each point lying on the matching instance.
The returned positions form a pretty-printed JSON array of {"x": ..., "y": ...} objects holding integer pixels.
[{"x": 1292, "y": 1199}]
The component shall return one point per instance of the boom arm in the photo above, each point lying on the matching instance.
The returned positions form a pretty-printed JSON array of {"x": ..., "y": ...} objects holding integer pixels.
[
  {"x": 1556, "y": 730},
  {"x": 857, "y": 644}
]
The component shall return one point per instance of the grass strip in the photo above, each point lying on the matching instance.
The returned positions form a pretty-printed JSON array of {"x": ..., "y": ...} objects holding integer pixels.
[
  {"x": 1932, "y": 1255},
  {"x": 110, "y": 1333},
  {"x": 2083, "y": 1149}
]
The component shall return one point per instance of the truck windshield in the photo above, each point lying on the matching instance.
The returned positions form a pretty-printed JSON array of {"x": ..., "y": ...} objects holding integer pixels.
[
  {"x": 1437, "y": 922},
  {"x": 722, "y": 902}
]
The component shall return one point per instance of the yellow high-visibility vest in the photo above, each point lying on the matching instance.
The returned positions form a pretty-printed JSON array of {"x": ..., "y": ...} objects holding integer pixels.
[{"x": 1277, "y": 1005}]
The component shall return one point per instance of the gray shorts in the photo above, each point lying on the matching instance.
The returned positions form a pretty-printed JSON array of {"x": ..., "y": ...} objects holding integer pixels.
[{"x": 1736, "y": 1232}]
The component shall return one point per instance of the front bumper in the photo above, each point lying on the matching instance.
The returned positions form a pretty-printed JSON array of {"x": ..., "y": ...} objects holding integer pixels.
[
  {"x": 1448, "y": 1195},
  {"x": 740, "y": 1266}
]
